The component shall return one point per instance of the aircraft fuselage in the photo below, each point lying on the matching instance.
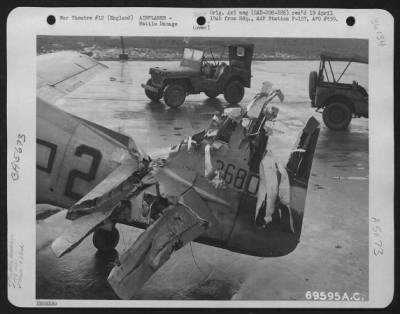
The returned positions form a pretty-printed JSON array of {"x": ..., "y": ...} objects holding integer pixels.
[{"x": 74, "y": 155}]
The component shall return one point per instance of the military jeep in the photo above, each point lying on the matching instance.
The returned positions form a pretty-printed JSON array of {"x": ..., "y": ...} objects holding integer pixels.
[
  {"x": 339, "y": 101},
  {"x": 201, "y": 71}
]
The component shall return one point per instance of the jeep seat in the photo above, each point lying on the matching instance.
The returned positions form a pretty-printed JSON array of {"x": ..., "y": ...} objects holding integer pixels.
[{"x": 237, "y": 63}]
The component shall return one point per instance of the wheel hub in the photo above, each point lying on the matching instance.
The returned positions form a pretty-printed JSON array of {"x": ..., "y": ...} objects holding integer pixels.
[
  {"x": 175, "y": 95},
  {"x": 337, "y": 116},
  {"x": 234, "y": 92}
]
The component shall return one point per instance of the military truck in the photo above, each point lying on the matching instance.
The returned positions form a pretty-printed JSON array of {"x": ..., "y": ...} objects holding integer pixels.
[
  {"x": 198, "y": 73},
  {"x": 339, "y": 101}
]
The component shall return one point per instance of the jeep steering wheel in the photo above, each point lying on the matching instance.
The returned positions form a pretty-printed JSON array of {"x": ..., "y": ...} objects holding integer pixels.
[{"x": 206, "y": 64}]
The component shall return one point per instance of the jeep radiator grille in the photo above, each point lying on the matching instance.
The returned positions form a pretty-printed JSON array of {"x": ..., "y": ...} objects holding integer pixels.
[{"x": 157, "y": 79}]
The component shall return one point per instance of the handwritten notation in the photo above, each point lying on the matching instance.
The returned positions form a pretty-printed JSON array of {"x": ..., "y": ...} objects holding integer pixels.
[
  {"x": 380, "y": 37},
  {"x": 377, "y": 238},
  {"x": 18, "y": 150}
]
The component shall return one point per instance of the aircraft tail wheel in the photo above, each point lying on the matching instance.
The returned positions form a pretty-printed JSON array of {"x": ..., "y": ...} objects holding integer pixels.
[{"x": 105, "y": 241}]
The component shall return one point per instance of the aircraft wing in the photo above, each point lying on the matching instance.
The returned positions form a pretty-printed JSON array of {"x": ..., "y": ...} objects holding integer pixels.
[
  {"x": 100, "y": 203},
  {"x": 62, "y": 72}
]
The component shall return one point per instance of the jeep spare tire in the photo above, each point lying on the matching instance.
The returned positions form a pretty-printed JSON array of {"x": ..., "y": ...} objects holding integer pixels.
[
  {"x": 174, "y": 95},
  {"x": 337, "y": 116},
  {"x": 234, "y": 92},
  {"x": 152, "y": 95},
  {"x": 312, "y": 84}
]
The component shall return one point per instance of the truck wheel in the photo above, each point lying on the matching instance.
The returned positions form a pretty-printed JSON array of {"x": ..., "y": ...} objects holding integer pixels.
[
  {"x": 234, "y": 92},
  {"x": 152, "y": 95},
  {"x": 337, "y": 116},
  {"x": 174, "y": 95},
  {"x": 211, "y": 93},
  {"x": 105, "y": 241}
]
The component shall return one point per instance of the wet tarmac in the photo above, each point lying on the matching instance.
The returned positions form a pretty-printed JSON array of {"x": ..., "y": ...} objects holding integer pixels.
[{"x": 333, "y": 252}]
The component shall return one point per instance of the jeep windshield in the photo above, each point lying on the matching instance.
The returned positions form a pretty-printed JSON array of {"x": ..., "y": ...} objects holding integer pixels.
[{"x": 193, "y": 55}]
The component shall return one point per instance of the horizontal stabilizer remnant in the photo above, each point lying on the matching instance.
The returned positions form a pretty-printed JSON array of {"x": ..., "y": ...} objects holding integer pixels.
[{"x": 78, "y": 231}]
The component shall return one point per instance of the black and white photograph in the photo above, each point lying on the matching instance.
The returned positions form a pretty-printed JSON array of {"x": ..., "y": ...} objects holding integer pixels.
[
  {"x": 227, "y": 152},
  {"x": 201, "y": 168}
]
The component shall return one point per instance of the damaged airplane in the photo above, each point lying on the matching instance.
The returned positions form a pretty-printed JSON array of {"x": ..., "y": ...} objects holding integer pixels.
[{"x": 220, "y": 187}]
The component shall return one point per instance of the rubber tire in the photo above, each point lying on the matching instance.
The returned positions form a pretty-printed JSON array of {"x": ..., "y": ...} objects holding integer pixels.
[
  {"x": 105, "y": 241},
  {"x": 151, "y": 95},
  {"x": 234, "y": 92},
  {"x": 312, "y": 84},
  {"x": 211, "y": 94},
  {"x": 337, "y": 116},
  {"x": 174, "y": 95}
]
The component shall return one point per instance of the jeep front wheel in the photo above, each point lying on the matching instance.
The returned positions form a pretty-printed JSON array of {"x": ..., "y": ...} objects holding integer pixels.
[
  {"x": 234, "y": 92},
  {"x": 337, "y": 116},
  {"x": 174, "y": 95},
  {"x": 152, "y": 95}
]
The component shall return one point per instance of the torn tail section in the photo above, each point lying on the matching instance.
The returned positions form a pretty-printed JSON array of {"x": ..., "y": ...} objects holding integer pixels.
[
  {"x": 300, "y": 160},
  {"x": 177, "y": 226},
  {"x": 299, "y": 169}
]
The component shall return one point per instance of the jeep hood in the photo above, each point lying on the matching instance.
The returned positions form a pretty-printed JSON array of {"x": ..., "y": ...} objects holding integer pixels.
[{"x": 175, "y": 71}]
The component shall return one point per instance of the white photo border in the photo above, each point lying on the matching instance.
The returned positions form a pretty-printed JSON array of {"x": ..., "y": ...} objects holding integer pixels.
[{"x": 24, "y": 24}]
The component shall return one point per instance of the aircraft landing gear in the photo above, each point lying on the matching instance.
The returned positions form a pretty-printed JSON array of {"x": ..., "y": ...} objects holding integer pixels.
[{"x": 104, "y": 240}]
